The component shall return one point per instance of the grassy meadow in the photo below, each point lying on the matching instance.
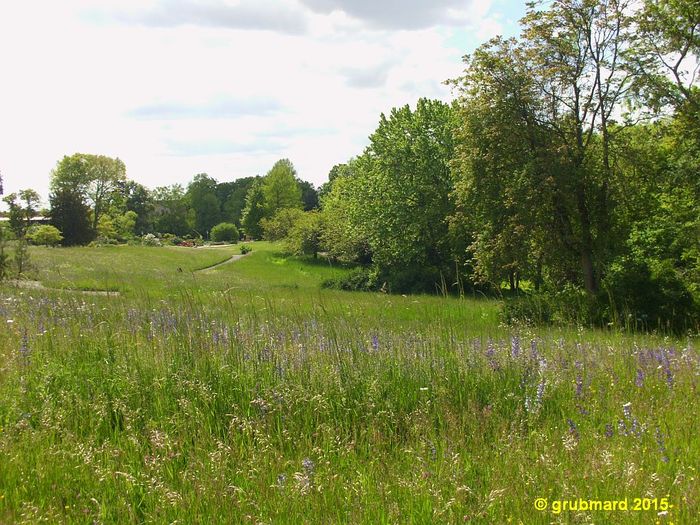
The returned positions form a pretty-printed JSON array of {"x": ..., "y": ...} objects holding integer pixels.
[{"x": 246, "y": 393}]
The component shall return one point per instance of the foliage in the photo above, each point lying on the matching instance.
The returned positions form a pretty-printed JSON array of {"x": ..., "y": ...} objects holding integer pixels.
[
  {"x": 150, "y": 240},
  {"x": 304, "y": 237},
  {"x": 254, "y": 211},
  {"x": 94, "y": 177},
  {"x": 44, "y": 234},
  {"x": 225, "y": 231},
  {"x": 170, "y": 210},
  {"x": 70, "y": 214},
  {"x": 205, "y": 204},
  {"x": 280, "y": 188},
  {"x": 358, "y": 280},
  {"x": 4, "y": 256},
  {"x": 280, "y": 224},
  {"x": 23, "y": 206}
]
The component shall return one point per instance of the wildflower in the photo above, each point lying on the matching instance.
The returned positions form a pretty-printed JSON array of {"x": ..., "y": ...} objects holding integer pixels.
[
  {"x": 540, "y": 392},
  {"x": 308, "y": 466},
  {"x": 573, "y": 429},
  {"x": 375, "y": 342},
  {"x": 662, "y": 445},
  {"x": 579, "y": 385},
  {"x": 515, "y": 346},
  {"x": 627, "y": 410},
  {"x": 281, "y": 480},
  {"x": 608, "y": 431},
  {"x": 639, "y": 380}
]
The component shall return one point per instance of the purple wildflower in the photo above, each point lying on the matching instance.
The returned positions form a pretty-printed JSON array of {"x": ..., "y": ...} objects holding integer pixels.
[
  {"x": 662, "y": 445},
  {"x": 639, "y": 380},
  {"x": 573, "y": 429},
  {"x": 608, "y": 431},
  {"x": 375, "y": 342},
  {"x": 540, "y": 392},
  {"x": 515, "y": 347}
]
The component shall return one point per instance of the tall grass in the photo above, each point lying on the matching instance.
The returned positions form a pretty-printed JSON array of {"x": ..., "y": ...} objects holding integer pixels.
[{"x": 296, "y": 406}]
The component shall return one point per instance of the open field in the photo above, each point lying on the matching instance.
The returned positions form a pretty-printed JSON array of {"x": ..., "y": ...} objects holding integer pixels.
[{"x": 247, "y": 394}]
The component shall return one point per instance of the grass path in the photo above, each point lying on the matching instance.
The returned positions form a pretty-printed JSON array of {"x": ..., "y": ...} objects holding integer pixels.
[{"x": 231, "y": 259}]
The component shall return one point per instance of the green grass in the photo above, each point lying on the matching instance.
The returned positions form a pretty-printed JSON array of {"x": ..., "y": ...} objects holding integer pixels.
[{"x": 248, "y": 394}]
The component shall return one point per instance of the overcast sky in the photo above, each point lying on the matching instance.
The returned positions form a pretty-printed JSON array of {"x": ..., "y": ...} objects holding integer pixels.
[{"x": 179, "y": 87}]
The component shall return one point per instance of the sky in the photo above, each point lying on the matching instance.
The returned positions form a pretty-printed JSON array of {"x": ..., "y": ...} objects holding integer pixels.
[{"x": 224, "y": 87}]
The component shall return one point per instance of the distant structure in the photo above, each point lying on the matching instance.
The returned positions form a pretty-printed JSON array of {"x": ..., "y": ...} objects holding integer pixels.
[{"x": 37, "y": 219}]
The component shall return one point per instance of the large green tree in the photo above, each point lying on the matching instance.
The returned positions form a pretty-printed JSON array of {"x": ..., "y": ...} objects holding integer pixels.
[
  {"x": 70, "y": 213},
  {"x": 280, "y": 188},
  {"x": 96, "y": 177},
  {"x": 203, "y": 199},
  {"x": 398, "y": 197}
]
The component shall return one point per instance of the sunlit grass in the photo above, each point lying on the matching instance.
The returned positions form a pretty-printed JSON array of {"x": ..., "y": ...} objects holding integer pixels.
[{"x": 247, "y": 394}]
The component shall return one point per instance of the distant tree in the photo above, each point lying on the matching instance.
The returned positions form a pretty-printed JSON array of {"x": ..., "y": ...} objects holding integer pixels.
[
  {"x": 170, "y": 212},
  {"x": 96, "y": 177},
  {"x": 23, "y": 206},
  {"x": 280, "y": 188},
  {"x": 254, "y": 210},
  {"x": 309, "y": 195},
  {"x": 138, "y": 199},
  {"x": 203, "y": 200},
  {"x": 232, "y": 196},
  {"x": 339, "y": 170},
  {"x": 71, "y": 215}
]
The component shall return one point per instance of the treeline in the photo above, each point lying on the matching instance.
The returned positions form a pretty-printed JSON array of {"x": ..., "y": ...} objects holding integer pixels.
[
  {"x": 91, "y": 200},
  {"x": 568, "y": 168}
]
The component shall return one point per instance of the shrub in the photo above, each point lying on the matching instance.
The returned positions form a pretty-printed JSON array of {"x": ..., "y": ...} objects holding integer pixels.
[
  {"x": 246, "y": 248},
  {"x": 637, "y": 295},
  {"x": 45, "y": 235},
  {"x": 359, "y": 279},
  {"x": 150, "y": 240},
  {"x": 279, "y": 226},
  {"x": 225, "y": 232}
]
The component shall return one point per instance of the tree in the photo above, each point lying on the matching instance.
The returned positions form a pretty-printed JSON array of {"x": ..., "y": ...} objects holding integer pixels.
[
  {"x": 339, "y": 170},
  {"x": 254, "y": 210},
  {"x": 232, "y": 195},
  {"x": 70, "y": 214},
  {"x": 280, "y": 188},
  {"x": 399, "y": 195},
  {"x": 170, "y": 210},
  {"x": 304, "y": 238},
  {"x": 203, "y": 200},
  {"x": 96, "y": 177},
  {"x": 309, "y": 195},
  {"x": 138, "y": 200},
  {"x": 23, "y": 207},
  {"x": 667, "y": 48},
  {"x": 279, "y": 226}
]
